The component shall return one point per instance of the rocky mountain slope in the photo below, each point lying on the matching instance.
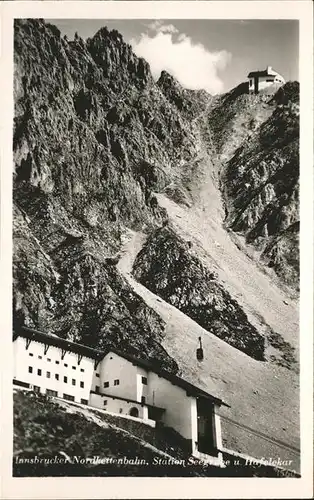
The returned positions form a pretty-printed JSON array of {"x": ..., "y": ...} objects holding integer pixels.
[
  {"x": 89, "y": 149},
  {"x": 257, "y": 138},
  {"x": 103, "y": 155},
  {"x": 168, "y": 269}
]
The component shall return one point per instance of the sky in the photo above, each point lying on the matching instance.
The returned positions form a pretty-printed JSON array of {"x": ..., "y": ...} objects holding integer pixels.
[{"x": 215, "y": 55}]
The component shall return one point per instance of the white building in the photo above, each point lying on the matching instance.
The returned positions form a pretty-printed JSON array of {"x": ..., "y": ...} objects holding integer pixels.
[
  {"x": 120, "y": 383},
  {"x": 261, "y": 80}
]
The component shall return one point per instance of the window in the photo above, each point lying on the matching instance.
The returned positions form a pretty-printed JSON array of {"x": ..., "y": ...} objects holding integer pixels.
[
  {"x": 50, "y": 392},
  {"x": 106, "y": 384},
  {"x": 20, "y": 383},
  {"x": 65, "y": 364},
  {"x": 97, "y": 374},
  {"x": 84, "y": 401},
  {"x": 48, "y": 374},
  {"x": 144, "y": 380},
  {"x": 65, "y": 379},
  {"x": 270, "y": 80},
  {"x": 82, "y": 385},
  {"x": 116, "y": 382},
  {"x": 57, "y": 362},
  {"x": 97, "y": 389},
  {"x": 36, "y": 388},
  {"x": 48, "y": 359},
  {"x": 105, "y": 402},
  {"x": 251, "y": 83},
  {"x": 57, "y": 376},
  {"x": 120, "y": 410},
  {"x": 30, "y": 369},
  {"x": 40, "y": 357},
  {"x": 68, "y": 397},
  {"x": 143, "y": 399},
  {"x": 74, "y": 367},
  {"x": 39, "y": 371},
  {"x": 73, "y": 381},
  {"x": 30, "y": 354},
  {"x": 82, "y": 369}
]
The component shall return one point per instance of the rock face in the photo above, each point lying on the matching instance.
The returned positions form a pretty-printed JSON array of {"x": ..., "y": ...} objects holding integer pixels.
[
  {"x": 168, "y": 268},
  {"x": 95, "y": 138},
  {"x": 76, "y": 294},
  {"x": 189, "y": 102},
  {"x": 257, "y": 139},
  {"x": 90, "y": 122}
]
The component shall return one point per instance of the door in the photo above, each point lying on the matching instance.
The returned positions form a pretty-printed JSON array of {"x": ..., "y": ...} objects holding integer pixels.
[
  {"x": 256, "y": 84},
  {"x": 133, "y": 412},
  {"x": 155, "y": 413},
  {"x": 205, "y": 427}
]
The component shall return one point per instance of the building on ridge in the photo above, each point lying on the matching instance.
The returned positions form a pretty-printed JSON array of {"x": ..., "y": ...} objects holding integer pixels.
[{"x": 261, "y": 80}]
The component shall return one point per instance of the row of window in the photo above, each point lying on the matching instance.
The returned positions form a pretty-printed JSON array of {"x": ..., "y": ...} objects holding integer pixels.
[
  {"x": 50, "y": 392},
  {"x": 273, "y": 80},
  {"x": 117, "y": 382},
  {"x": 57, "y": 362},
  {"x": 48, "y": 375},
  {"x": 269, "y": 80},
  {"x": 106, "y": 384},
  {"x": 69, "y": 397}
]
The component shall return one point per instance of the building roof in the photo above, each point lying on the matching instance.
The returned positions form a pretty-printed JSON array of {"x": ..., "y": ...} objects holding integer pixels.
[
  {"x": 269, "y": 71},
  {"x": 98, "y": 355},
  {"x": 54, "y": 340}
]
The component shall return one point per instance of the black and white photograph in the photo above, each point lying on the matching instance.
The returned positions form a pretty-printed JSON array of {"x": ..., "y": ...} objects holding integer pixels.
[{"x": 156, "y": 247}]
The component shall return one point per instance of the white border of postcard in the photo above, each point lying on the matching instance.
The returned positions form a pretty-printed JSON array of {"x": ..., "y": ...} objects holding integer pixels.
[{"x": 79, "y": 488}]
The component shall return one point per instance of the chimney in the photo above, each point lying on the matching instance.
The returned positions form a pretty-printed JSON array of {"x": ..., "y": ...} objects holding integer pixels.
[{"x": 269, "y": 69}]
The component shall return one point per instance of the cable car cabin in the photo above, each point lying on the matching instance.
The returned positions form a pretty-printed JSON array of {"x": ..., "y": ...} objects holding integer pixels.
[
  {"x": 200, "y": 354},
  {"x": 199, "y": 351}
]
